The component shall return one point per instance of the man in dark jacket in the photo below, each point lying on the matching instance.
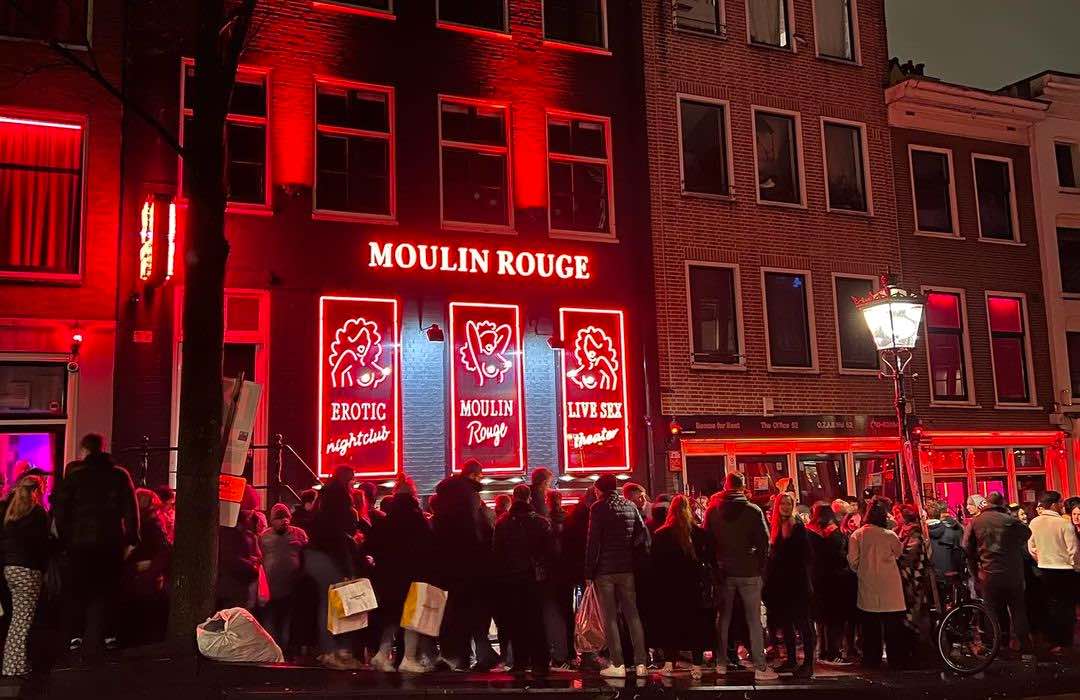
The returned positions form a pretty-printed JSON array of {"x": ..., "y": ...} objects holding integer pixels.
[
  {"x": 995, "y": 542},
  {"x": 523, "y": 553},
  {"x": 742, "y": 549},
  {"x": 946, "y": 537},
  {"x": 616, "y": 534},
  {"x": 463, "y": 527},
  {"x": 97, "y": 519}
]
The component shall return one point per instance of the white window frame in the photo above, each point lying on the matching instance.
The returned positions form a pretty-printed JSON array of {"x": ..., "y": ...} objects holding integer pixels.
[
  {"x": 1074, "y": 151},
  {"x": 350, "y": 9},
  {"x": 89, "y": 45},
  {"x": 390, "y": 138},
  {"x": 737, "y": 288},
  {"x": 954, "y": 215},
  {"x": 264, "y": 208},
  {"x": 604, "y": 50},
  {"x": 1029, "y": 364},
  {"x": 799, "y": 156},
  {"x": 789, "y": 11},
  {"x": 448, "y": 224},
  {"x": 721, "y": 18},
  {"x": 1013, "y": 214},
  {"x": 856, "y": 44},
  {"x": 609, "y": 162},
  {"x": 725, "y": 107},
  {"x": 875, "y": 285},
  {"x": 503, "y": 33},
  {"x": 811, "y": 322},
  {"x": 71, "y": 398},
  {"x": 865, "y": 148},
  {"x": 969, "y": 373}
]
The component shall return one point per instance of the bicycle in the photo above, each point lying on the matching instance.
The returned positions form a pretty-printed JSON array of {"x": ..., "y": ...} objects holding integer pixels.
[{"x": 968, "y": 636}]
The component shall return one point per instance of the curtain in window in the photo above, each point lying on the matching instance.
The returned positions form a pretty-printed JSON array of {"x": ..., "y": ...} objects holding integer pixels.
[
  {"x": 767, "y": 21},
  {"x": 833, "y": 28},
  {"x": 40, "y": 187}
]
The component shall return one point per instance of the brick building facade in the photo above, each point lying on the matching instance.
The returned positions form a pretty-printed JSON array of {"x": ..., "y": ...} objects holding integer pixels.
[{"x": 60, "y": 134}]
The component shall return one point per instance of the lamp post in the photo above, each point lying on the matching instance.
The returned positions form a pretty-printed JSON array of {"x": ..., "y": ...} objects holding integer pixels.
[{"x": 893, "y": 316}]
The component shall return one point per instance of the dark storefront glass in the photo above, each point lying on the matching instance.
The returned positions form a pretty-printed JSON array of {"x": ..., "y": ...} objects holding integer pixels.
[
  {"x": 705, "y": 475},
  {"x": 821, "y": 478},
  {"x": 878, "y": 473},
  {"x": 762, "y": 472}
]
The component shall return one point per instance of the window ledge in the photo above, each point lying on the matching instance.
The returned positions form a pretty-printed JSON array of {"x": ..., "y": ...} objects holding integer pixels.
[
  {"x": 350, "y": 217},
  {"x": 249, "y": 209},
  {"x": 1002, "y": 241},
  {"x": 795, "y": 206},
  {"x": 43, "y": 42},
  {"x": 851, "y": 212},
  {"x": 1017, "y": 407},
  {"x": 580, "y": 48},
  {"x": 720, "y": 33},
  {"x": 349, "y": 9},
  {"x": 771, "y": 47},
  {"x": 847, "y": 372},
  {"x": 506, "y": 230},
  {"x": 953, "y": 404},
  {"x": 487, "y": 32},
  {"x": 709, "y": 196},
  {"x": 852, "y": 62},
  {"x": 794, "y": 370},
  {"x": 58, "y": 279},
  {"x": 943, "y": 236},
  {"x": 1071, "y": 296},
  {"x": 716, "y": 367},
  {"x": 583, "y": 236},
  {"x": 1068, "y": 190}
]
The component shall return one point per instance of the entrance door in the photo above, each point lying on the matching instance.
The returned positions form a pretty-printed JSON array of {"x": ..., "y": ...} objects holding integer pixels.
[
  {"x": 705, "y": 475},
  {"x": 239, "y": 359},
  {"x": 821, "y": 478},
  {"x": 877, "y": 473}
]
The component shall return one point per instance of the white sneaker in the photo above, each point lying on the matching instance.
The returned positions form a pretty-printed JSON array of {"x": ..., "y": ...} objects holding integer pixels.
[
  {"x": 412, "y": 666},
  {"x": 765, "y": 674},
  {"x": 668, "y": 670},
  {"x": 641, "y": 671},
  {"x": 382, "y": 662},
  {"x": 613, "y": 671}
]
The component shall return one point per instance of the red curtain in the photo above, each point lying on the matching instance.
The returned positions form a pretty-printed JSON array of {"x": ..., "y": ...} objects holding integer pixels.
[{"x": 40, "y": 196}]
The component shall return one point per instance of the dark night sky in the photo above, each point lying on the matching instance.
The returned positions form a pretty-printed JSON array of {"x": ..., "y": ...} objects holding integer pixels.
[{"x": 986, "y": 43}]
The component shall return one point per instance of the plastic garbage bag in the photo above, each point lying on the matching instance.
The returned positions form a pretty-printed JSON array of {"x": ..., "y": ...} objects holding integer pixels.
[
  {"x": 234, "y": 635},
  {"x": 589, "y": 623}
]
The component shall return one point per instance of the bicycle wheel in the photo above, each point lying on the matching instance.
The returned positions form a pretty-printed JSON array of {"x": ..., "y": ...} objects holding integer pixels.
[{"x": 968, "y": 638}]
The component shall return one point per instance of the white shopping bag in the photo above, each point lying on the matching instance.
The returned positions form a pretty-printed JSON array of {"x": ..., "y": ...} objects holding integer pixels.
[
  {"x": 235, "y": 635},
  {"x": 424, "y": 609},
  {"x": 356, "y": 596}
]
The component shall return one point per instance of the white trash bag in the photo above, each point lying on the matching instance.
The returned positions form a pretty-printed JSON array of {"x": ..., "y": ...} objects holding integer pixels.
[{"x": 234, "y": 635}]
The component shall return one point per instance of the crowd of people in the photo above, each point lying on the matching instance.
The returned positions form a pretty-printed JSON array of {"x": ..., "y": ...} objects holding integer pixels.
[{"x": 678, "y": 581}]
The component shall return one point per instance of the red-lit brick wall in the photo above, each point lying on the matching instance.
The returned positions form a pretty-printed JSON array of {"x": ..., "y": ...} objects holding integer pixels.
[
  {"x": 976, "y": 267},
  {"x": 754, "y": 235}
]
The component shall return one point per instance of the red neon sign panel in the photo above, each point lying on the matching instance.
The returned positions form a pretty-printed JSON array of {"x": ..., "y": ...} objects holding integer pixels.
[
  {"x": 486, "y": 387},
  {"x": 359, "y": 379},
  {"x": 595, "y": 420}
]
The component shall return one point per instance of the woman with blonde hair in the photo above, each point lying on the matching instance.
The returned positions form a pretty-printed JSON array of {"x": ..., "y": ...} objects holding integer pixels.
[
  {"x": 26, "y": 554},
  {"x": 684, "y": 559},
  {"x": 787, "y": 589}
]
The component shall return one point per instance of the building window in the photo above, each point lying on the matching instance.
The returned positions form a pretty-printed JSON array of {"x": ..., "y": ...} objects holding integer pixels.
[
  {"x": 1068, "y": 164},
  {"x": 699, "y": 15},
  {"x": 845, "y": 163},
  {"x": 946, "y": 344},
  {"x": 1072, "y": 339},
  {"x": 931, "y": 176},
  {"x": 579, "y": 174},
  {"x": 1069, "y": 258},
  {"x": 484, "y": 14},
  {"x": 65, "y": 21},
  {"x": 1008, "y": 348},
  {"x": 788, "y": 317},
  {"x": 576, "y": 22},
  {"x": 246, "y": 171},
  {"x": 769, "y": 23},
  {"x": 354, "y": 171},
  {"x": 996, "y": 201},
  {"x": 776, "y": 137},
  {"x": 857, "y": 349},
  {"x": 41, "y": 194},
  {"x": 714, "y": 314},
  {"x": 475, "y": 165},
  {"x": 833, "y": 22},
  {"x": 703, "y": 131}
]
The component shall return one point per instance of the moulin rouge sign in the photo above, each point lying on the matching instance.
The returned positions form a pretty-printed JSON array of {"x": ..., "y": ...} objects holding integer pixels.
[
  {"x": 595, "y": 418},
  {"x": 478, "y": 261},
  {"x": 359, "y": 380},
  {"x": 486, "y": 386}
]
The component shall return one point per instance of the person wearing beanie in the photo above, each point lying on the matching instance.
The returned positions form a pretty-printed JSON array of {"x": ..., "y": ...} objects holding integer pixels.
[{"x": 281, "y": 544}]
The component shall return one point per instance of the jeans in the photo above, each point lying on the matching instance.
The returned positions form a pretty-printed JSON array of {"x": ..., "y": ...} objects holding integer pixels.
[
  {"x": 468, "y": 618},
  {"x": 276, "y": 616},
  {"x": 1007, "y": 602},
  {"x": 616, "y": 594},
  {"x": 893, "y": 624},
  {"x": 748, "y": 588},
  {"x": 806, "y": 632},
  {"x": 96, "y": 574},
  {"x": 1059, "y": 588},
  {"x": 325, "y": 572},
  {"x": 558, "y": 613},
  {"x": 522, "y": 604}
]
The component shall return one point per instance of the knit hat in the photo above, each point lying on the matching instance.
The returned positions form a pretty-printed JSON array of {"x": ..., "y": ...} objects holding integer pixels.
[{"x": 280, "y": 510}]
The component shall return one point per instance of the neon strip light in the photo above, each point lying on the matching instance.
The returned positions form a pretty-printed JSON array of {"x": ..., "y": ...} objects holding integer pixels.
[{"x": 36, "y": 122}]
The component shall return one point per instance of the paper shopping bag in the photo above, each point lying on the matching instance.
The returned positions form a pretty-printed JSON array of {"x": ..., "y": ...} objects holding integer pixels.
[
  {"x": 337, "y": 621},
  {"x": 355, "y": 596},
  {"x": 424, "y": 608}
]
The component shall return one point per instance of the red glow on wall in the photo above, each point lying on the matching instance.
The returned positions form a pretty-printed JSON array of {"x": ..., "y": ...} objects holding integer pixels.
[
  {"x": 596, "y": 423},
  {"x": 487, "y": 387},
  {"x": 359, "y": 379}
]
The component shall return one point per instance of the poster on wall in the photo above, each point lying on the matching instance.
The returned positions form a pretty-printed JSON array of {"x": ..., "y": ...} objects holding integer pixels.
[
  {"x": 359, "y": 386},
  {"x": 487, "y": 387},
  {"x": 595, "y": 419}
]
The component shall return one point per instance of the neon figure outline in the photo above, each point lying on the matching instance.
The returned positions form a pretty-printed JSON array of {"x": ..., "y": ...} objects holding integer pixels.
[
  {"x": 484, "y": 351},
  {"x": 355, "y": 354},
  {"x": 597, "y": 361}
]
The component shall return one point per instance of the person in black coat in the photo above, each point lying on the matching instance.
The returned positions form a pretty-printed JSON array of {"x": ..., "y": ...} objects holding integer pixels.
[
  {"x": 403, "y": 546},
  {"x": 833, "y": 582},
  {"x": 523, "y": 553},
  {"x": 787, "y": 589},
  {"x": 683, "y": 557},
  {"x": 238, "y": 564},
  {"x": 26, "y": 553},
  {"x": 146, "y": 573}
]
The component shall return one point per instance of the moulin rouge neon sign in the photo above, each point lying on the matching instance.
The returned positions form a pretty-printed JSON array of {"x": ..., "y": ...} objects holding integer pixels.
[
  {"x": 359, "y": 400},
  {"x": 486, "y": 386},
  {"x": 478, "y": 261}
]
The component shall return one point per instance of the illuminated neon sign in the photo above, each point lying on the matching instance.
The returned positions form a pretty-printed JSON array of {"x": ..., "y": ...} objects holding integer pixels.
[
  {"x": 156, "y": 254},
  {"x": 359, "y": 397},
  {"x": 594, "y": 407},
  {"x": 486, "y": 387},
  {"x": 478, "y": 261}
]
